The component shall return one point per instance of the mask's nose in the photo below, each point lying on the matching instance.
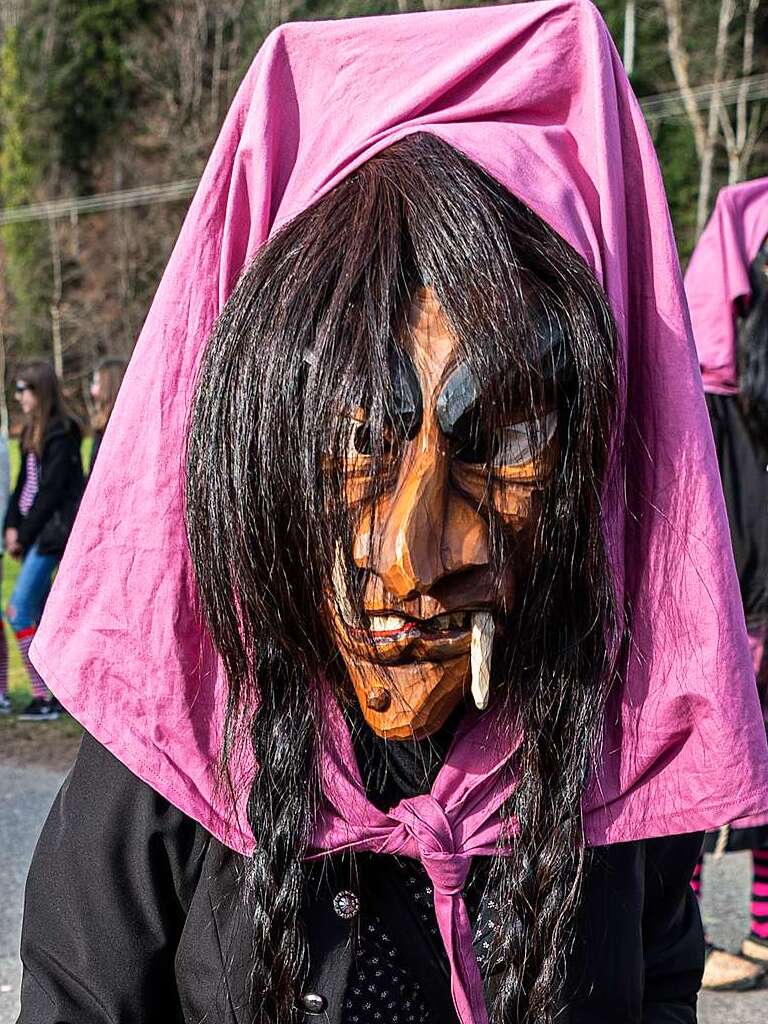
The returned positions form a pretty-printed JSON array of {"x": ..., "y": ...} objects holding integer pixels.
[{"x": 424, "y": 531}]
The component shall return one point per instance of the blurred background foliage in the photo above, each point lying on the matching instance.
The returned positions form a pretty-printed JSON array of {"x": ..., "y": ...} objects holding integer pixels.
[{"x": 104, "y": 95}]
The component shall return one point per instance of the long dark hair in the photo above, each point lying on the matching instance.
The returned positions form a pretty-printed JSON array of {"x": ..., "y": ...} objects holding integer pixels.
[
  {"x": 111, "y": 370},
  {"x": 311, "y": 327},
  {"x": 40, "y": 375},
  {"x": 752, "y": 334}
]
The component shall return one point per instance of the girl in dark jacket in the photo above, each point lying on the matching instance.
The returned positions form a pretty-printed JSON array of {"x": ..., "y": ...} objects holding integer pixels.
[{"x": 41, "y": 512}]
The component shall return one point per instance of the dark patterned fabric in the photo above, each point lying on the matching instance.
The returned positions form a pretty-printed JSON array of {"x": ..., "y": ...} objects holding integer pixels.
[{"x": 381, "y": 986}]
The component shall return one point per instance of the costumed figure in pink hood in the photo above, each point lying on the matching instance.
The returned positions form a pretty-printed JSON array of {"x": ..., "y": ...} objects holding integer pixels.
[
  {"x": 395, "y": 610},
  {"x": 727, "y": 288}
]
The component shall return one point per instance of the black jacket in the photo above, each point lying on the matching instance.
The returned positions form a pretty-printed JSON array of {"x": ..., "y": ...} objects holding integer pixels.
[
  {"x": 133, "y": 915},
  {"x": 98, "y": 437},
  {"x": 61, "y": 483}
]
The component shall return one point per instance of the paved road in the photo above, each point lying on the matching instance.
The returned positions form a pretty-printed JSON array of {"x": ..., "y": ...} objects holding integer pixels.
[
  {"x": 26, "y": 794},
  {"x": 726, "y": 915}
]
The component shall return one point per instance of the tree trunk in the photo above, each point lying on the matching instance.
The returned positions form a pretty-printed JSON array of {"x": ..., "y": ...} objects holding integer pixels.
[
  {"x": 740, "y": 140},
  {"x": 629, "y": 37},
  {"x": 705, "y": 132},
  {"x": 55, "y": 307},
  {"x": 727, "y": 10}
]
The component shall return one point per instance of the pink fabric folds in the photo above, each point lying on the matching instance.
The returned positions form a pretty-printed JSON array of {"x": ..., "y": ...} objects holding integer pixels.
[
  {"x": 718, "y": 276},
  {"x": 535, "y": 94}
]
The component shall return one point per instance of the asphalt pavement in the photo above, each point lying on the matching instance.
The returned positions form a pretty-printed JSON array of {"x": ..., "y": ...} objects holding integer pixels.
[
  {"x": 26, "y": 794},
  {"x": 726, "y": 918}
]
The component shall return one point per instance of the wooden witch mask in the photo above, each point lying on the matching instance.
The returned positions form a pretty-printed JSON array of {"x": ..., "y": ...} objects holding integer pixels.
[{"x": 431, "y": 604}]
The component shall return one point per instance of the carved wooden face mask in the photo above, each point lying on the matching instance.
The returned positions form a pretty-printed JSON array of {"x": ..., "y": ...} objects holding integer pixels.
[{"x": 430, "y": 603}]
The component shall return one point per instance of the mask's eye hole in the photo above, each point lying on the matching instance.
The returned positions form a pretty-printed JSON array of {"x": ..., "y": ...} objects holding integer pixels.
[
  {"x": 521, "y": 443},
  {"x": 472, "y": 444},
  {"x": 359, "y": 441},
  {"x": 516, "y": 445}
]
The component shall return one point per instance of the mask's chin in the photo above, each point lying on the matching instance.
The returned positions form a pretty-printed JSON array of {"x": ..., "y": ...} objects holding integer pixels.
[{"x": 411, "y": 700}]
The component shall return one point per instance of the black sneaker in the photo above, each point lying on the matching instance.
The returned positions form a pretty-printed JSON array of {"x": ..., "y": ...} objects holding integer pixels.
[{"x": 40, "y": 710}]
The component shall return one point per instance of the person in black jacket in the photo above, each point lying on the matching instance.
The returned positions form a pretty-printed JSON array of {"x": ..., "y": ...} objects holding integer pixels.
[
  {"x": 41, "y": 512},
  {"x": 735, "y": 379},
  {"x": 149, "y": 925}
]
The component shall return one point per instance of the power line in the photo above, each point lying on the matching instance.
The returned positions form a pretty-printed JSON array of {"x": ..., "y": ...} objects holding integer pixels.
[
  {"x": 670, "y": 104},
  {"x": 656, "y": 108},
  {"x": 147, "y": 195}
]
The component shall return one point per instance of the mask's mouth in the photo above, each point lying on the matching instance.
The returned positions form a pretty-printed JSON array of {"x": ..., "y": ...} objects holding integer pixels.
[
  {"x": 388, "y": 626},
  {"x": 391, "y": 637}
]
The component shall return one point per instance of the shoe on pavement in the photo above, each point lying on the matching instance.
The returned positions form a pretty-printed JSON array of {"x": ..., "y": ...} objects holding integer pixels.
[
  {"x": 41, "y": 710},
  {"x": 728, "y": 972},
  {"x": 755, "y": 948},
  {"x": 6, "y": 707}
]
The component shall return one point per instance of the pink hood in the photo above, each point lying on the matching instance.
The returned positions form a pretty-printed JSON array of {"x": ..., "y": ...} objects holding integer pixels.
[{"x": 718, "y": 276}]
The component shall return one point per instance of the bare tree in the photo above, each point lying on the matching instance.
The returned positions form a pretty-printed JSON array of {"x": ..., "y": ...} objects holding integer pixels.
[
  {"x": 629, "y": 36},
  {"x": 734, "y": 52},
  {"x": 56, "y": 295},
  {"x": 741, "y": 137},
  {"x": 705, "y": 130},
  {"x": 3, "y": 399}
]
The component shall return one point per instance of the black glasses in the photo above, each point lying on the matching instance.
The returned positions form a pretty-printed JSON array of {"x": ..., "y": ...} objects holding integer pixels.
[{"x": 21, "y": 385}]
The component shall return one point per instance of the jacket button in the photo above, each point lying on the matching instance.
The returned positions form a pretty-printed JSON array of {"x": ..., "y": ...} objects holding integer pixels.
[
  {"x": 311, "y": 1002},
  {"x": 346, "y": 904}
]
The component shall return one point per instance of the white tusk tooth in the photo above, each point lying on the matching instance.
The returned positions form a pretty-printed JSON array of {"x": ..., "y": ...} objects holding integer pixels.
[{"x": 483, "y": 629}]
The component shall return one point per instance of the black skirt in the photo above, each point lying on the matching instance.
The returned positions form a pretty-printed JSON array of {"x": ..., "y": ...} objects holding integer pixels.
[{"x": 743, "y": 462}]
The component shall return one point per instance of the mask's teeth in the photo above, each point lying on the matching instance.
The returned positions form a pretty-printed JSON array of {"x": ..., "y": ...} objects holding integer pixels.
[
  {"x": 480, "y": 658},
  {"x": 385, "y": 623}
]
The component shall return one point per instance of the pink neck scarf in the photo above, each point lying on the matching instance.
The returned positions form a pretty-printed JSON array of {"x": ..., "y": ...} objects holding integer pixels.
[
  {"x": 443, "y": 830},
  {"x": 536, "y": 95},
  {"x": 718, "y": 276}
]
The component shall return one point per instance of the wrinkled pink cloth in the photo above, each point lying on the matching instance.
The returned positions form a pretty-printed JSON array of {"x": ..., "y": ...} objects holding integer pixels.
[
  {"x": 718, "y": 276},
  {"x": 535, "y": 94}
]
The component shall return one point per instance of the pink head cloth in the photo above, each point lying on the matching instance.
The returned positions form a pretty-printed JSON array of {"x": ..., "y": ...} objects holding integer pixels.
[
  {"x": 718, "y": 276},
  {"x": 535, "y": 94}
]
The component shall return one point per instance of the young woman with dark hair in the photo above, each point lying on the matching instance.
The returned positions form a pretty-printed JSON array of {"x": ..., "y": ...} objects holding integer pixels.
[
  {"x": 388, "y": 676},
  {"x": 105, "y": 384},
  {"x": 40, "y": 513},
  {"x": 727, "y": 288}
]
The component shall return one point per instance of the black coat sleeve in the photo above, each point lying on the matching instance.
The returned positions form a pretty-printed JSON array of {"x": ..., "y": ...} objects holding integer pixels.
[
  {"x": 673, "y": 937},
  {"x": 639, "y": 950},
  {"x": 59, "y": 466},
  {"x": 13, "y": 515},
  {"x": 106, "y": 900}
]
